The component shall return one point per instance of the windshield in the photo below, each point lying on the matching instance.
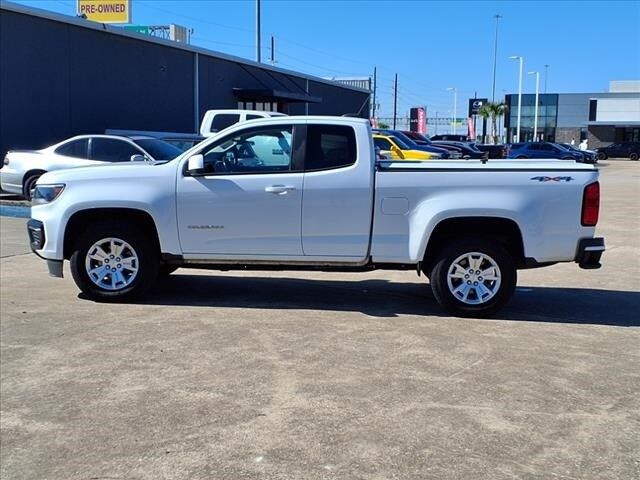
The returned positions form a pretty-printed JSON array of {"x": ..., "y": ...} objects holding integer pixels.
[
  {"x": 401, "y": 145},
  {"x": 159, "y": 149}
]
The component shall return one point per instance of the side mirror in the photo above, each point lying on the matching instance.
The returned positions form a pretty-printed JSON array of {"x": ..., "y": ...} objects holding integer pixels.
[
  {"x": 195, "y": 164},
  {"x": 138, "y": 157}
]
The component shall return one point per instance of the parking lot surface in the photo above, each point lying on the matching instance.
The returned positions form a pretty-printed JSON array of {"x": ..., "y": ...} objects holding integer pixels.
[{"x": 253, "y": 375}]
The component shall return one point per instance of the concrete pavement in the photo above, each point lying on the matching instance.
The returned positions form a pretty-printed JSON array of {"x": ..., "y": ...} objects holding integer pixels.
[{"x": 318, "y": 376}]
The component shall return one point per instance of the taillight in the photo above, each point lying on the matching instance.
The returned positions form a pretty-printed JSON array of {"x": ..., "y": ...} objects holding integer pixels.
[{"x": 591, "y": 205}]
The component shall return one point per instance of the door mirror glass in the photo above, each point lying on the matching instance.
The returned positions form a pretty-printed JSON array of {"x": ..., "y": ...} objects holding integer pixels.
[
  {"x": 195, "y": 164},
  {"x": 138, "y": 157}
]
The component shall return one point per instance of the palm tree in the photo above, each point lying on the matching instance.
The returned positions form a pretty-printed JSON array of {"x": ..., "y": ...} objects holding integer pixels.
[{"x": 493, "y": 111}]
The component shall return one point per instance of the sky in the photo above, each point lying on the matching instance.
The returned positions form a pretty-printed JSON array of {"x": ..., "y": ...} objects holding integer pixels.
[{"x": 431, "y": 45}]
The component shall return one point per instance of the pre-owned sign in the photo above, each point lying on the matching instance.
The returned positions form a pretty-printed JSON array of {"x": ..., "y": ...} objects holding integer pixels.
[{"x": 105, "y": 11}]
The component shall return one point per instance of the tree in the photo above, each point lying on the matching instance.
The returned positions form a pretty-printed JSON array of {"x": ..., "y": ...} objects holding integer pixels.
[
  {"x": 493, "y": 111},
  {"x": 383, "y": 125}
]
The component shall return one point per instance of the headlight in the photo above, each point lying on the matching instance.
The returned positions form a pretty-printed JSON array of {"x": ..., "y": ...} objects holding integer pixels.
[{"x": 43, "y": 194}]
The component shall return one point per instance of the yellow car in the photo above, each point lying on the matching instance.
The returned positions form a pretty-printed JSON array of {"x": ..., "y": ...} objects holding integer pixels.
[{"x": 396, "y": 149}]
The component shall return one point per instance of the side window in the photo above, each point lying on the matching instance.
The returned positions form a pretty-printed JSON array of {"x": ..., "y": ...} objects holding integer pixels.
[
  {"x": 546, "y": 147},
  {"x": 382, "y": 144},
  {"x": 75, "y": 149},
  {"x": 330, "y": 146},
  {"x": 224, "y": 120},
  {"x": 112, "y": 150},
  {"x": 253, "y": 117},
  {"x": 533, "y": 146},
  {"x": 258, "y": 150}
]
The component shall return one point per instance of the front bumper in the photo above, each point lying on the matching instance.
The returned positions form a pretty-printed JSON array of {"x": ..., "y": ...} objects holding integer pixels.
[
  {"x": 37, "y": 239},
  {"x": 589, "y": 252}
]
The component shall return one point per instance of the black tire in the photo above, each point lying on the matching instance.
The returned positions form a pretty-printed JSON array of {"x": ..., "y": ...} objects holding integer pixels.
[
  {"x": 148, "y": 261},
  {"x": 504, "y": 290},
  {"x": 29, "y": 183},
  {"x": 602, "y": 156},
  {"x": 633, "y": 156}
]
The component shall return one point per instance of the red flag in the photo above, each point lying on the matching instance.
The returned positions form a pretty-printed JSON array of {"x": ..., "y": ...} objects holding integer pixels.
[{"x": 470, "y": 130}]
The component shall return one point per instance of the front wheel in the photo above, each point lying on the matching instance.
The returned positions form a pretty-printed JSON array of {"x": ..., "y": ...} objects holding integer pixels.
[
  {"x": 114, "y": 261},
  {"x": 602, "y": 156},
  {"x": 473, "y": 278},
  {"x": 633, "y": 156}
]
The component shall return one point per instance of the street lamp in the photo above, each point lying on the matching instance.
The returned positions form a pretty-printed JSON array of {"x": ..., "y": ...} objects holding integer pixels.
[
  {"x": 513, "y": 57},
  {"x": 455, "y": 104},
  {"x": 535, "y": 121},
  {"x": 495, "y": 59}
]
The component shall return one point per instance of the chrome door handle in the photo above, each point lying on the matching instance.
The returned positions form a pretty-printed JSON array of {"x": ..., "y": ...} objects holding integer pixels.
[{"x": 279, "y": 189}]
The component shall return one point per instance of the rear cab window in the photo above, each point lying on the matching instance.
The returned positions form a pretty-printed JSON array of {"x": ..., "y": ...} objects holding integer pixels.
[
  {"x": 224, "y": 120},
  {"x": 329, "y": 147}
]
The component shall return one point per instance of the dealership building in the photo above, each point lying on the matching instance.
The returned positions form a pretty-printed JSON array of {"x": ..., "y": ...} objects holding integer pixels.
[
  {"x": 602, "y": 118},
  {"x": 63, "y": 76}
]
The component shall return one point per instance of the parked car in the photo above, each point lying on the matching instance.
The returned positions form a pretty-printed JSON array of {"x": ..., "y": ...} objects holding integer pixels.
[
  {"x": 494, "y": 151},
  {"x": 465, "y": 227},
  {"x": 396, "y": 149},
  {"x": 184, "y": 141},
  {"x": 588, "y": 156},
  {"x": 22, "y": 168},
  {"x": 467, "y": 149},
  {"x": 451, "y": 137},
  {"x": 541, "y": 150},
  {"x": 422, "y": 139},
  {"x": 216, "y": 120},
  {"x": 407, "y": 140},
  {"x": 630, "y": 150}
]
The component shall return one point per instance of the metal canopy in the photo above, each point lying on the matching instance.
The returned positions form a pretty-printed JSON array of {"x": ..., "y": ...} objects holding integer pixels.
[{"x": 271, "y": 94}]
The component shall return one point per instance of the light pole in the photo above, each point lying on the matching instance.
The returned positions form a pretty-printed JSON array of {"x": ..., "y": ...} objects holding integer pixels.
[
  {"x": 455, "y": 104},
  {"x": 495, "y": 59},
  {"x": 535, "y": 115},
  {"x": 258, "y": 47},
  {"x": 513, "y": 57},
  {"x": 546, "y": 74}
]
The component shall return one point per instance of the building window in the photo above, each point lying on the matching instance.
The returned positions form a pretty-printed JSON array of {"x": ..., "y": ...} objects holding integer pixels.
[{"x": 593, "y": 110}]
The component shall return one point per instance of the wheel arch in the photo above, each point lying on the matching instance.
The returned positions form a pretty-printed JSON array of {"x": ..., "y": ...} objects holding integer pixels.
[
  {"x": 82, "y": 218},
  {"x": 504, "y": 230}
]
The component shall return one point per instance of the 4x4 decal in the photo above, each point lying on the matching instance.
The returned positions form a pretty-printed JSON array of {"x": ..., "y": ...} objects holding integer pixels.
[{"x": 552, "y": 179}]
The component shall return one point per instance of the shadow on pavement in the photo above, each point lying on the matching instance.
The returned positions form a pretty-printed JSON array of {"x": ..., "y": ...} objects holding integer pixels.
[{"x": 380, "y": 298}]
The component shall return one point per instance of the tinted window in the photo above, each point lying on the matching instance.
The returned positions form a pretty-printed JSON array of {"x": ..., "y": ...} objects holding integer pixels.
[
  {"x": 75, "y": 149},
  {"x": 224, "y": 120},
  {"x": 546, "y": 147},
  {"x": 330, "y": 146},
  {"x": 253, "y": 117},
  {"x": 382, "y": 143},
  {"x": 158, "y": 149},
  {"x": 112, "y": 150},
  {"x": 257, "y": 150}
]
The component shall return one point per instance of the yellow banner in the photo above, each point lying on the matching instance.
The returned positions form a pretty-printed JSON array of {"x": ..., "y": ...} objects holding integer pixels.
[{"x": 105, "y": 11}]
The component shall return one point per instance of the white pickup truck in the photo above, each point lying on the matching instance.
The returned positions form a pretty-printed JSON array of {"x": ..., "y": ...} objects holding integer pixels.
[{"x": 307, "y": 193}]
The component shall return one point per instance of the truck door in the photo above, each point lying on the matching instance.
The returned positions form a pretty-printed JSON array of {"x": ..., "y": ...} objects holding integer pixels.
[
  {"x": 337, "y": 205},
  {"x": 248, "y": 199}
]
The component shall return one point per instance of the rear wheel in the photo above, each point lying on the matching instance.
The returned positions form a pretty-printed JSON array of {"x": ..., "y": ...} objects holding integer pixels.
[
  {"x": 633, "y": 156},
  {"x": 30, "y": 183},
  {"x": 473, "y": 278},
  {"x": 114, "y": 261},
  {"x": 602, "y": 156}
]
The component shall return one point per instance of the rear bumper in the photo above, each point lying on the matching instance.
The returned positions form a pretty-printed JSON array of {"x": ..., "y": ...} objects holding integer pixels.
[
  {"x": 11, "y": 180},
  {"x": 589, "y": 252}
]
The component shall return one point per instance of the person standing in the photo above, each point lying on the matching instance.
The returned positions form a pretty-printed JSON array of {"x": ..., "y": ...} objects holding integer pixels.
[
  {"x": 584, "y": 145},
  {"x": 573, "y": 142}
]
